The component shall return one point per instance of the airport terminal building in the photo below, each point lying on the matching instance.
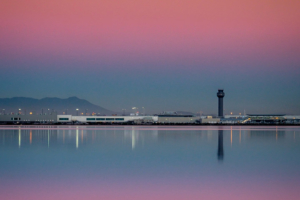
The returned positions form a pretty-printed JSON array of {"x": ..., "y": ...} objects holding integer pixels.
[
  {"x": 70, "y": 119},
  {"x": 163, "y": 119}
]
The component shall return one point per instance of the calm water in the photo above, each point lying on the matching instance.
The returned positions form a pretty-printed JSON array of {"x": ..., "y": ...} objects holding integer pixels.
[{"x": 86, "y": 162}]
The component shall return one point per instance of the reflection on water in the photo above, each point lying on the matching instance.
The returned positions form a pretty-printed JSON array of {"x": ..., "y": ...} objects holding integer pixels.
[
  {"x": 82, "y": 135},
  {"x": 79, "y": 136},
  {"x": 19, "y": 138},
  {"x": 220, "y": 145},
  {"x": 149, "y": 162},
  {"x": 266, "y": 134}
]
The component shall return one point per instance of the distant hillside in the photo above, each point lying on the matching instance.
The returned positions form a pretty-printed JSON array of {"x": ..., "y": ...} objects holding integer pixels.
[{"x": 37, "y": 106}]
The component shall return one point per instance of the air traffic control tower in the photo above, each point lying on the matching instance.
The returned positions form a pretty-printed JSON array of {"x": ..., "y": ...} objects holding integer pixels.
[{"x": 220, "y": 95}]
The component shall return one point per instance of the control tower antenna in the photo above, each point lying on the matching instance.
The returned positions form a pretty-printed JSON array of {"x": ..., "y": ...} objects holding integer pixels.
[{"x": 220, "y": 95}]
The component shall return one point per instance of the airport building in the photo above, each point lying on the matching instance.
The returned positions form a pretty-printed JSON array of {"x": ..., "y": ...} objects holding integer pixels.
[
  {"x": 155, "y": 119},
  {"x": 28, "y": 119},
  {"x": 70, "y": 119},
  {"x": 177, "y": 119},
  {"x": 106, "y": 119},
  {"x": 267, "y": 118}
]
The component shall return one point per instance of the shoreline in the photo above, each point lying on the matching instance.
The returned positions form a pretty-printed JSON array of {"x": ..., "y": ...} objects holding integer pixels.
[{"x": 170, "y": 125}]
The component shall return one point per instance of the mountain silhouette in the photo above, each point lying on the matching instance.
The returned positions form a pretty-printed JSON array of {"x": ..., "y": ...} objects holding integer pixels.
[{"x": 50, "y": 104}]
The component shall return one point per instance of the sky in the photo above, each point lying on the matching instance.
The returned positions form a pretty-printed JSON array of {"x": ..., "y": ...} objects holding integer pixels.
[{"x": 169, "y": 55}]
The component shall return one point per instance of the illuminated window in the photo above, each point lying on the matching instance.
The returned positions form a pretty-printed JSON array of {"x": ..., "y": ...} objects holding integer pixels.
[
  {"x": 119, "y": 119},
  {"x": 90, "y": 119},
  {"x": 63, "y": 118}
]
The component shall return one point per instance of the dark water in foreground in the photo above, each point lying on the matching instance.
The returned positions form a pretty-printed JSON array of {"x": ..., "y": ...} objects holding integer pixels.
[{"x": 70, "y": 163}]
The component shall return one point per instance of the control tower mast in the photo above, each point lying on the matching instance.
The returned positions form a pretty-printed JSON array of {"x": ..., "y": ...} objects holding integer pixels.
[{"x": 220, "y": 95}]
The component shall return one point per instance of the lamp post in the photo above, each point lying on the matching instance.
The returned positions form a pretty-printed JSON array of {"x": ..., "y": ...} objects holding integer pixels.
[
  {"x": 77, "y": 111},
  {"x": 3, "y": 111},
  {"x": 124, "y": 110},
  {"x": 19, "y": 111},
  {"x": 144, "y": 111},
  {"x": 134, "y": 108},
  {"x": 48, "y": 111}
]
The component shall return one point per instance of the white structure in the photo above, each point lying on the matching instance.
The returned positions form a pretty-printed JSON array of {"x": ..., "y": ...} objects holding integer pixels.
[
  {"x": 106, "y": 119},
  {"x": 235, "y": 116}
]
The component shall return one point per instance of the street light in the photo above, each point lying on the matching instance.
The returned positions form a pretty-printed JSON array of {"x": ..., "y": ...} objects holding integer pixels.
[
  {"x": 3, "y": 111},
  {"x": 144, "y": 110},
  {"x": 77, "y": 111},
  {"x": 135, "y": 108},
  {"x": 19, "y": 111},
  {"x": 124, "y": 110}
]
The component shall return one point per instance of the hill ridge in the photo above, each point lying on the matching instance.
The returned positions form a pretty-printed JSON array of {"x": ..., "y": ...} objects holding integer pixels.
[{"x": 50, "y": 104}]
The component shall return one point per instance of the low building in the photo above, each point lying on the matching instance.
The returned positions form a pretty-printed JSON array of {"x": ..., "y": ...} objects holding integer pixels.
[
  {"x": 267, "y": 118},
  {"x": 234, "y": 119},
  {"x": 28, "y": 119},
  {"x": 292, "y": 119},
  {"x": 105, "y": 119},
  {"x": 159, "y": 119},
  {"x": 210, "y": 121},
  {"x": 177, "y": 119}
]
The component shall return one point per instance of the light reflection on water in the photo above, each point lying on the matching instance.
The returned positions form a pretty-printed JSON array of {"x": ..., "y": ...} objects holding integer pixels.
[{"x": 139, "y": 162}]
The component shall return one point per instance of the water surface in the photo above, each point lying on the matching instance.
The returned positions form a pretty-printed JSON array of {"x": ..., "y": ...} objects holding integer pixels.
[{"x": 140, "y": 162}]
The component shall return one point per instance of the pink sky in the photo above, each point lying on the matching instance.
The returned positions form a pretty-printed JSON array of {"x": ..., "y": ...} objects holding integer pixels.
[
  {"x": 233, "y": 31},
  {"x": 153, "y": 49}
]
